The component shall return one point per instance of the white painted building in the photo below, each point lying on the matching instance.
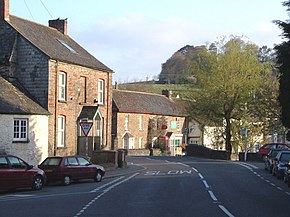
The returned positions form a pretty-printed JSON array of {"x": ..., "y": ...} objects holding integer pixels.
[
  {"x": 33, "y": 148},
  {"x": 23, "y": 124}
]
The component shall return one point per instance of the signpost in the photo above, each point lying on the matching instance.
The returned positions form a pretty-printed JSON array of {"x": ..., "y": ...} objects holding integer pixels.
[
  {"x": 244, "y": 132},
  {"x": 86, "y": 127}
]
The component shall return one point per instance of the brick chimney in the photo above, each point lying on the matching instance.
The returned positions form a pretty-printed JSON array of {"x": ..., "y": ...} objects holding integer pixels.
[
  {"x": 4, "y": 10},
  {"x": 59, "y": 24},
  {"x": 167, "y": 93}
]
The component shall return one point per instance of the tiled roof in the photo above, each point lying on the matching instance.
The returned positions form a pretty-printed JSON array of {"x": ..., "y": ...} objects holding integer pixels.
[
  {"x": 14, "y": 101},
  {"x": 145, "y": 103},
  {"x": 54, "y": 44}
]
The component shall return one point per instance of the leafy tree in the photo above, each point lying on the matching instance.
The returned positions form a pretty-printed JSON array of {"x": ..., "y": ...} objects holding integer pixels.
[
  {"x": 227, "y": 80},
  {"x": 177, "y": 70},
  {"x": 283, "y": 60}
]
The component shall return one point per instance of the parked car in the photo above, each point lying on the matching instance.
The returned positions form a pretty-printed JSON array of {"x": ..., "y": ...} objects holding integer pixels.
[
  {"x": 287, "y": 174},
  {"x": 265, "y": 149},
  {"x": 16, "y": 173},
  {"x": 270, "y": 158},
  {"x": 279, "y": 163},
  {"x": 71, "y": 168}
]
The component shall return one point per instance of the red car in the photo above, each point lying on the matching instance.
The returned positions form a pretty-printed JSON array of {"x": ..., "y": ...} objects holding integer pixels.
[
  {"x": 68, "y": 168},
  {"x": 265, "y": 149},
  {"x": 16, "y": 173}
]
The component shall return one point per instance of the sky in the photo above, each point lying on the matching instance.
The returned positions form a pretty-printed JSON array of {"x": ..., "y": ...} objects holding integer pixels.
[{"x": 134, "y": 37}]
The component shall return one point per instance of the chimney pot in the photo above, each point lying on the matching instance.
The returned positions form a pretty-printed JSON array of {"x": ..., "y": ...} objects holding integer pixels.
[
  {"x": 59, "y": 24},
  {"x": 167, "y": 93},
  {"x": 4, "y": 10}
]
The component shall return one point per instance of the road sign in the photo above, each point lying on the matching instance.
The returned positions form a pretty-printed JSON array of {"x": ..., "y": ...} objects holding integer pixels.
[{"x": 86, "y": 127}]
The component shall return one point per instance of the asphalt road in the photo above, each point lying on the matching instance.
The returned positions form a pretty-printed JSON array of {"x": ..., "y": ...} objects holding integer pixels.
[{"x": 163, "y": 187}]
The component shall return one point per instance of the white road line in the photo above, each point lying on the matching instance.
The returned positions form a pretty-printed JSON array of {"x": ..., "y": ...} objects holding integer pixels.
[
  {"x": 226, "y": 211},
  {"x": 248, "y": 166},
  {"x": 279, "y": 188},
  {"x": 205, "y": 184},
  {"x": 212, "y": 195},
  {"x": 200, "y": 176},
  {"x": 109, "y": 183},
  {"x": 195, "y": 169},
  {"x": 104, "y": 192},
  {"x": 183, "y": 164}
]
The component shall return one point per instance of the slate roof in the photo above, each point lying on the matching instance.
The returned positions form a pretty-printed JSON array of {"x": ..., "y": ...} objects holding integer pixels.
[
  {"x": 53, "y": 44},
  {"x": 15, "y": 101},
  {"x": 146, "y": 103}
]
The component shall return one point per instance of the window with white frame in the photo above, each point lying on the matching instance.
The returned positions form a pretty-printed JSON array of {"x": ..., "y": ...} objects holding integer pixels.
[
  {"x": 20, "y": 132},
  {"x": 140, "y": 122},
  {"x": 140, "y": 142},
  {"x": 101, "y": 91},
  {"x": 62, "y": 86},
  {"x": 127, "y": 122},
  {"x": 60, "y": 131}
]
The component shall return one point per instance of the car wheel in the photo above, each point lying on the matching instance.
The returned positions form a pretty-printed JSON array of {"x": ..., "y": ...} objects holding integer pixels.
[
  {"x": 37, "y": 183},
  {"x": 66, "y": 180},
  {"x": 98, "y": 176}
]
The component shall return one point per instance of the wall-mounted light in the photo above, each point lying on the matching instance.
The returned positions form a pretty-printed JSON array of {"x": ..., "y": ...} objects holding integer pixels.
[{"x": 96, "y": 100}]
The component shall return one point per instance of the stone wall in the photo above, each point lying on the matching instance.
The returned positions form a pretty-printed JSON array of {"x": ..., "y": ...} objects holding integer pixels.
[{"x": 143, "y": 152}]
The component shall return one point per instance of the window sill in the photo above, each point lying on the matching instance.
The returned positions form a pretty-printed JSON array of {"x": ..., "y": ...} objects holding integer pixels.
[
  {"x": 62, "y": 101},
  {"x": 21, "y": 141}
]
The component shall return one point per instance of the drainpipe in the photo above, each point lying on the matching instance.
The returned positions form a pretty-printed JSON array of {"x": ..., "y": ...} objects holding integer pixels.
[
  {"x": 107, "y": 125},
  {"x": 55, "y": 108}
]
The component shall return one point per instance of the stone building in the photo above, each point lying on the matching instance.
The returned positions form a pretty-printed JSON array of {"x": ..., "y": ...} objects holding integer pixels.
[
  {"x": 142, "y": 120},
  {"x": 62, "y": 77}
]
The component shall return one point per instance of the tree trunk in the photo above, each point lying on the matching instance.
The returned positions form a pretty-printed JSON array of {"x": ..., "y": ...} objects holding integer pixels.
[{"x": 228, "y": 136}]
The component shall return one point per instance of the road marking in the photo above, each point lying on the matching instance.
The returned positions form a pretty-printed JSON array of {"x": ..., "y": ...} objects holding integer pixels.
[
  {"x": 213, "y": 197},
  {"x": 183, "y": 164},
  {"x": 200, "y": 176},
  {"x": 279, "y": 188},
  {"x": 246, "y": 165},
  {"x": 205, "y": 184},
  {"x": 104, "y": 192},
  {"x": 226, "y": 211},
  {"x": 105, "y": 185},
  {"x": 170, "y": 172},
  {"x": 194, "y": 169}
]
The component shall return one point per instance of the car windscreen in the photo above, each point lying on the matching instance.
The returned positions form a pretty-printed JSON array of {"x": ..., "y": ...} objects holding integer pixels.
[{"x": 51, "y": 162}]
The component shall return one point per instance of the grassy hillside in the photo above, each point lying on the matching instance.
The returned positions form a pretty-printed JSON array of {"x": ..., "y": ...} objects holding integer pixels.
[{"x": 148, "y": 87}]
